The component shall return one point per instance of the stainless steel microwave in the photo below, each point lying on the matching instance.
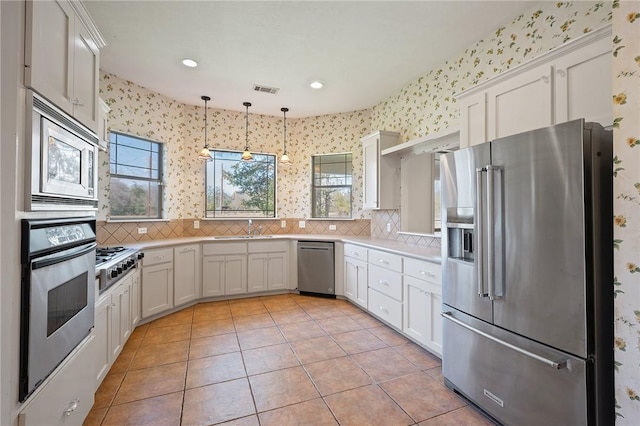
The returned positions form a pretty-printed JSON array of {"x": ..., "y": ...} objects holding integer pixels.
[{"x": 63, "y": 159}]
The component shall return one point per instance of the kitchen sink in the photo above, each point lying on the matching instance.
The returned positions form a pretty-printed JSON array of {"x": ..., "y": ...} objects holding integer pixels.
[{"x": 242, "y": 237}]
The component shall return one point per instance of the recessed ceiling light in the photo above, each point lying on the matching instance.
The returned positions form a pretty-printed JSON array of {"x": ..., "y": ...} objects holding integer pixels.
[
  {"x": 316, "y": 85},
  {"x": 189, "y": 63}
]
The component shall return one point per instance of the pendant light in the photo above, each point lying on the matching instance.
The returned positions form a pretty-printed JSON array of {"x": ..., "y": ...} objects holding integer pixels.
[
  {"x": 284, "y": 160},
  {"x": 246, "y": 155},
  {"x": 205, "y": 154}
]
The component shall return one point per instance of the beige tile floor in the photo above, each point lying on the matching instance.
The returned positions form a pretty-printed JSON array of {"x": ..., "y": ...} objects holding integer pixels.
[{"x": 276, "y": 360}]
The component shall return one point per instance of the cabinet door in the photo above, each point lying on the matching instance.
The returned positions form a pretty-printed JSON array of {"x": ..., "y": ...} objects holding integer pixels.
[
  {"x": 135, "y": 298},
  {"x": 235, "y": 274},
  {"x": 86, "y": 60},
  {"x": 521, "y": 103},
  {"x": 102, "y": 327},
  {"x": 363, "y": 289},
  {"x": 355, "y": 281},
  {"x": 278, "y": 271},
  {"x": 115, "y": 342},
  {"x": 213, "y": 276},
  {"x": 583, "y": 84},
  {"x": 125, "y": 310},
  {"x": 257, "y": 272},
  {"x": 187, "y": 273},
  {"x": 421, "y": 315},
  {"x": 157, "y": 289},
  {"x": 49, "y": 50},
  {"x": 370, "y": 172},
  {"x": 473, "y": 119}
]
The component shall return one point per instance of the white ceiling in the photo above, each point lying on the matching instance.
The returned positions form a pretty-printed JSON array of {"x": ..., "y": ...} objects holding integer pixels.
[{"x": 364, "y": 51}]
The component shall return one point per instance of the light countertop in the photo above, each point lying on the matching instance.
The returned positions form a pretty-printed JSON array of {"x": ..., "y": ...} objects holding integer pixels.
[{"x": 431, "y": 254}]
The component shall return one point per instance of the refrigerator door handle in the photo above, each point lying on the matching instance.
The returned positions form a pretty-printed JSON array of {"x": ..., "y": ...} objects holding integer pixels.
[
  {"x": 491, "y": 223},
  {"x": 556, "y": 365},
  {"x": 479, "y": 208}
]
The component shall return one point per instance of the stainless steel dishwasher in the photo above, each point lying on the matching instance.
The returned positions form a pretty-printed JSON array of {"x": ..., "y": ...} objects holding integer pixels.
[{"x": 316, "y": 268}]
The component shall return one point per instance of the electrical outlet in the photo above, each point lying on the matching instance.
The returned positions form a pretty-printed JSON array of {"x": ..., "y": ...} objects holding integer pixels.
[
  {"x": 388, "y": 227},
  {"x": 283, "y": 224},
  {"x": 142, "y": 230},
  {"x": 196, "y": 224},
  {"x": 301, "y": 224},
  {"x": 332, "y": 227}
]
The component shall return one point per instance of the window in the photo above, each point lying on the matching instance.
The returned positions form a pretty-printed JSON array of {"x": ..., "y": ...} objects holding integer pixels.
[
  {"x": 239, "y": 189},
  {"x": 331, "y": 187},
  {"x": 136, "y": 177}
]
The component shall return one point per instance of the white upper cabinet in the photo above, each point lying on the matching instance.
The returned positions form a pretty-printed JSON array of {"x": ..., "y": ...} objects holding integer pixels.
[
  {"x": 62, "y": 57},
  {"x": 381, "y": 175},
  {"x": 569, "y": 82}
]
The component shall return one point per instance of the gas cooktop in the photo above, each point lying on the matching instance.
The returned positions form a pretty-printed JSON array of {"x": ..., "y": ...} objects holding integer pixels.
[{"x": 112, "y": 263}]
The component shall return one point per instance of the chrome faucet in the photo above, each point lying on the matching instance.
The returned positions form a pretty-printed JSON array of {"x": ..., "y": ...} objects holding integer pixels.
[{"x": 249, "y": 228}]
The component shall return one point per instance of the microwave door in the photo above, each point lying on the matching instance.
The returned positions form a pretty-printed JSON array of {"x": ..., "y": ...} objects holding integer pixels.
[{"x": 64, "y": 160}]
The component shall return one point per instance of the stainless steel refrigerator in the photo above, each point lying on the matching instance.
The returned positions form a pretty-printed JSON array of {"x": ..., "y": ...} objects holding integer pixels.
[{"x": 527, "y": 253}]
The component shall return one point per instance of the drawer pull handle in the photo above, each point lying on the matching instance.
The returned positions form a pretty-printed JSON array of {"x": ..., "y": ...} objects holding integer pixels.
[
  {"x": 545, "y": 79},
  {"x": 158, "y": 258},
  {"x": 383, "y": 309},
  {"x": 428, "y": 274},
  {"x": 111, "y": 305},
  {"x": 383, "y": 261},
  {"x": 355, "y": 253},
  {"x": 383, "y": 282},
  {"x": 72, "y": 407}
]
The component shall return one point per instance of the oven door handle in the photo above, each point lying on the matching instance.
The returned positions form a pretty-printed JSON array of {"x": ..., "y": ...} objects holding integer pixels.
[{"x": 63, "y": 256}]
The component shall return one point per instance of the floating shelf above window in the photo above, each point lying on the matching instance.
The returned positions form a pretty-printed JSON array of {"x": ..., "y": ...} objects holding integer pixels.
[{"x": 441, "y": 141}]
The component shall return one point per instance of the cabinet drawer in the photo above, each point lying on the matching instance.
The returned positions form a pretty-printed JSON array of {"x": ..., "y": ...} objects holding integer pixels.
[
  {"x": 356, "y": 252},
  {"x": 386, "y": 308},
  {"x": 268, "y": 246},
  {"x": 386, "y": 260},
  {"x": 423, "y": 270},
  {"x": 386, "y": 281},
  {"x": 224, "y": 248},
  {"x": 67, "y": 397},
  {"x": 157, "y": 256},
  {"x": 424, "y": 286}
]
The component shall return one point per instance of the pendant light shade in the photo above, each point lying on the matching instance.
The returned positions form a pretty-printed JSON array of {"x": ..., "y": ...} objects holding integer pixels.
[
  {"x": 284, "y": 160},
  {"x": 246, "y": 155},
  {"x": 205, "y": 154}
]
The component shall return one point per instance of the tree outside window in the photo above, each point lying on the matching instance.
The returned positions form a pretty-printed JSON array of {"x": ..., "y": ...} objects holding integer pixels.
[
  {"x": 240, "y": 189},
  {"x": 135, "y": 166},
  {"x": 331, "y": 186}
]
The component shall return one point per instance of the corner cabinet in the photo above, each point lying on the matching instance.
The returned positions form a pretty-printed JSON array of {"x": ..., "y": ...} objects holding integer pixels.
[
  {"x": 380, "y": 175},
  {"x": 62, "y": 57},
  {"x": 157, "y": 281},
  {"x": 569, "y": 82}
]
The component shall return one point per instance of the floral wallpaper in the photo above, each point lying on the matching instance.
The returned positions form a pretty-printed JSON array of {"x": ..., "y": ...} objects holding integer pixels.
[
  {"x": 138, "y": 111},
  {"x": 424, "y": 106},
  {"x": 626, "y": 102}
]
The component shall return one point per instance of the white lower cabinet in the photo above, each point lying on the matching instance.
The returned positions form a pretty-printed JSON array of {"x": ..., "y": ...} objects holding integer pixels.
[
  {"x": 268, "y": 266},
  {"x": 355, "y": 281},
  {"x": 115, "y": 313},
  {"x": 136, "y": 292},
  {"x": 187, "y": 267},
  {"x": 157, "y": 281},
  {"x": 422, "y": 306},
  {"x": 68, "y": 394},
  {"x": 224, "y": 269}
]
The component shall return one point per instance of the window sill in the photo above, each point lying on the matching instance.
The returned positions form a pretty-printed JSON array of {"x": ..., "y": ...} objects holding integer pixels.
[
  {"x": 238, "y": 218},
  {"x": 332, "y": 219},
  {"x": 136, "y": 220}
]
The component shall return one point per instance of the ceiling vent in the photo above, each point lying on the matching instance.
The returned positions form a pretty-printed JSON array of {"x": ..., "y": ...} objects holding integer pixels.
[{"x": 265, "y": 89}]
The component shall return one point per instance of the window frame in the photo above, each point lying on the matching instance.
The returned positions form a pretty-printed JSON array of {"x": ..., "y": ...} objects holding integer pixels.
[
  {"x": 159, "y": 180},
  {"x": 211, "y": 214},
  {"x": 314, "y": 187}
]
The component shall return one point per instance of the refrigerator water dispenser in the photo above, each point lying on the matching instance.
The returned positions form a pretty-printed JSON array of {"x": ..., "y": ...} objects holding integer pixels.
[{"x": 461, "y": 244}]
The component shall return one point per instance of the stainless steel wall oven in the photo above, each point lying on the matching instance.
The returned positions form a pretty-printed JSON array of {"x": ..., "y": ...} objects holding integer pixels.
[
  {"x": 62, "y": 160},
  {"x": 58, "y": 294}
]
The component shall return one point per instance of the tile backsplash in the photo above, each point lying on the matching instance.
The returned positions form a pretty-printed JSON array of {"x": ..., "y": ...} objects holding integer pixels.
[
  {"x": 114, "y": 233},
  {"x": 379, "y": 221}
]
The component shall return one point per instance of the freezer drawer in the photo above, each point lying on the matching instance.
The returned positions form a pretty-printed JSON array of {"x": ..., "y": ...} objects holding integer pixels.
[{"x": 512, "y": 386}]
